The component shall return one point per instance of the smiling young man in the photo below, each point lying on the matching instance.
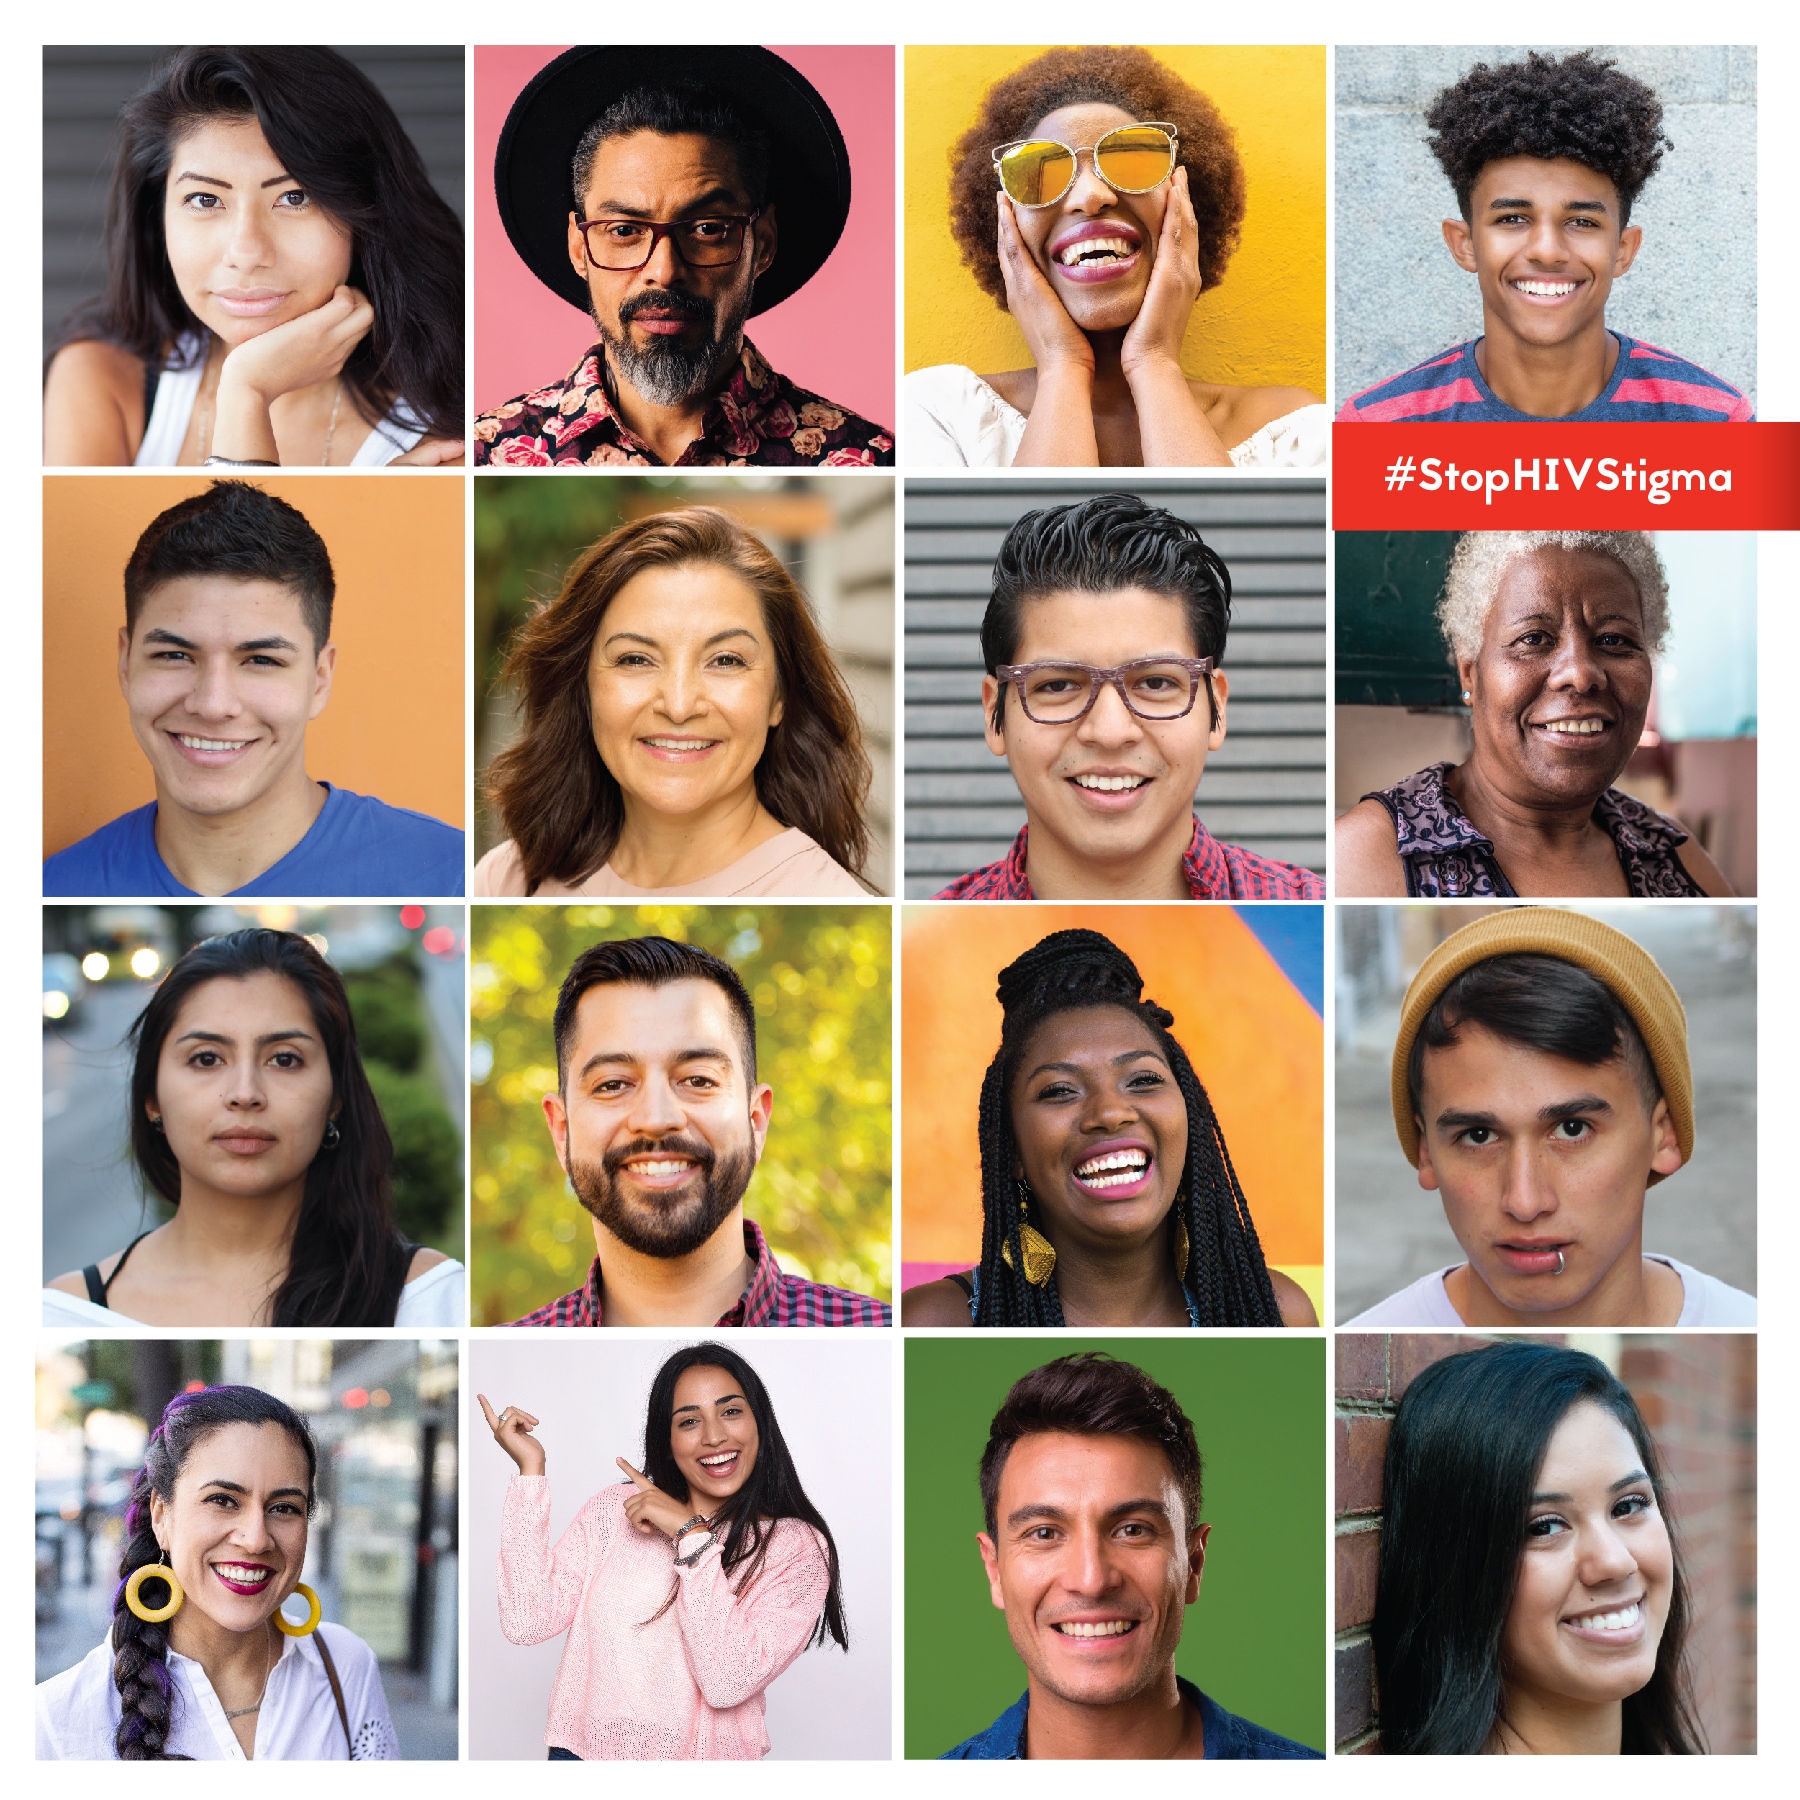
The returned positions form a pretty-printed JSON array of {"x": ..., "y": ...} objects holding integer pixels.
[
  {"x": 225, "y": 658},
  {"x": 1547, "y": 157},
  {"x": 1094, "y": 1550},
  {"x": 671, "y": 194},
  {"x": 1102, "y": 641},
  {"x": 659, "y": 1122},
  {"x": 1540, "y": 1086}
]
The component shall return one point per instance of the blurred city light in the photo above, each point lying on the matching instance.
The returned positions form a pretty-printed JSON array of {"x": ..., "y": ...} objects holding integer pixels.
[
  {"x": 145, "y": 962},
  {"x": 56, "y": 1004},
  {"x": 95, "y": 966},
  {"x": 277, "y": 918},
  {"x": 440, "y": 940},
  {"x": 355, "y": 1398},
  {"x": 412, "y": 917}
]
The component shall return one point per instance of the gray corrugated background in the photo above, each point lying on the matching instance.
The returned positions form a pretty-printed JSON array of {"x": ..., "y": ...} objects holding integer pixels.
[
  {"x": 84, "y": 87},
  {"x": 1264, "y": 788},
  {"x": 1692, "y": 290}
]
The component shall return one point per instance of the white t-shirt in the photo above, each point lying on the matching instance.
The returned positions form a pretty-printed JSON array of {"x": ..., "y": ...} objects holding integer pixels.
[
  {"x": 438, "y": 1297},
  {"x": 1705, "y": 1300},
  {"x": 78, "y": 1710},
  {"x": 954, "y": 420}
]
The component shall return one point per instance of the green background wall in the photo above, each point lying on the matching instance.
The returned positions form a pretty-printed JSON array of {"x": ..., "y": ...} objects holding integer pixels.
[{"x": 1255, "y": 1640}]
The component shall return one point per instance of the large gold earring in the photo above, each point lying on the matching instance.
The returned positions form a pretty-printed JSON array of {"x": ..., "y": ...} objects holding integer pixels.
[
  {"x": 156, "y": 1571},
  {"x": 1184, "y": 1246},
  {"x": 1040, "y": 1253},
  {"x": 312, "y": 1616}
]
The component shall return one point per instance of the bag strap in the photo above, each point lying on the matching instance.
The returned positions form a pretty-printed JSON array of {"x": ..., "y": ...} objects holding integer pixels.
[{"x": 337, "y": 1690}]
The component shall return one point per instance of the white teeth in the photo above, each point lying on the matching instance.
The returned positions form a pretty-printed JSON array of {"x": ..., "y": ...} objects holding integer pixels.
[
  {"x": 241, "y": 1574},
  {"x": 1117, "y": 1159},
  {"x": 1111, "y": 784},
  {"x": 681, "y": 743},
  {"x": 196, "y": 743},
  {"x": 1091, "y": 249},
  {"x": 660, "y": 1168},
  {"x": 1576, "y": 727},
  {"x": 1621, "y": 1620},
  {"x": 1106, "y": 1628},
  {"x": 1549, "y": 290},
  {"x": 713, "y": 1462}
]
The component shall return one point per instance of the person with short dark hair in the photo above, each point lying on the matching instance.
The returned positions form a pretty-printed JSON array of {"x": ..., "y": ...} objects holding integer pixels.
[
  {"x": 658, "y": 1121},
  {"x": 225, "y": 657},
  {"x": 1530, "y": 1597},
  {"x": 671, "y": 193},
  {"x": 1103, "y": 639},
  {"x": 1094, "y": 1548},
  {"x": 1547, "y": 158},
  {"x": 1540, "y": 1086},
  {"x": 1120, "y": 199}
]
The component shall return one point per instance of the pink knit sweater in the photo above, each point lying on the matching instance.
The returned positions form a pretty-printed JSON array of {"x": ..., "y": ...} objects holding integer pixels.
[{"x": 691, "y": 1683}]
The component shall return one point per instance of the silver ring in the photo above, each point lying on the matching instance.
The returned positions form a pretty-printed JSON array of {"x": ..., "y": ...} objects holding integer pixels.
[{"x": 1560, "y": 1261}]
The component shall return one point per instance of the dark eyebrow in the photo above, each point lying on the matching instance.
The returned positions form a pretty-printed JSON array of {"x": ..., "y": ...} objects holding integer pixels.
[
  {"x": 214, "y": 181},
  {"x": 1598, "y": 206},
  {"x": 693, "y": 1406},
  {"x": 1624, "y": 1481},
  {"x": 1124, "y": 1056},
  {"x": 237, "y": 1487},
  {"x": 637, "y": 637},
  {"x": 268, "y": 1037},
  {"x": 1487, "y": 1120},
  {"x": 623, "y": 209},
  {"x": 1573, "y": 1109},
  {"x": 1024, "y": 1514},
  {"x": 157, "y": 634},
  {"x": 266, "y": 643},
  {"x": 630, "y": 1058}
]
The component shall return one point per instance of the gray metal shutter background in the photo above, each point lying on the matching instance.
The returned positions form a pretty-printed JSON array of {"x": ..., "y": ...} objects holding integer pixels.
[
  {"x": 1264, "y": 789},
  {"x": 84, "y": 87}
]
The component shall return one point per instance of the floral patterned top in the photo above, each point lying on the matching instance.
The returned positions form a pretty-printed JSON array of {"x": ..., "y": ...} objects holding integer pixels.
[
  {"x": 758, "y": 419},
  {"x": 1447, "y": 858}
]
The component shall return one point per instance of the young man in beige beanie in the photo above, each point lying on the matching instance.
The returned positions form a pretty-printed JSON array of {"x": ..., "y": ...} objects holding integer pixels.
[{"x": 1540, "y": 1086}]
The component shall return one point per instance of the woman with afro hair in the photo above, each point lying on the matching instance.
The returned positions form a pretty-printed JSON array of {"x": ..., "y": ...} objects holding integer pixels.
[
  {"x": 1096, "y": 197},
  {"x": 1107, "y": 1192}
]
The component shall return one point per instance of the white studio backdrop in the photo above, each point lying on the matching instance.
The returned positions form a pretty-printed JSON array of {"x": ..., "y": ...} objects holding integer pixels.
[{"x": 833, "y": 1405}]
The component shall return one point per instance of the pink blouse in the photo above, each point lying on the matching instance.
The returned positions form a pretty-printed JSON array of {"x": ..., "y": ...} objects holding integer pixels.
[{"x": 689, "y": 1684}]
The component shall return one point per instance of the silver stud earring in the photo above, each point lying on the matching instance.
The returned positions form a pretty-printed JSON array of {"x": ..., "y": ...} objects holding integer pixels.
[{"x": 1465, "y": 695}]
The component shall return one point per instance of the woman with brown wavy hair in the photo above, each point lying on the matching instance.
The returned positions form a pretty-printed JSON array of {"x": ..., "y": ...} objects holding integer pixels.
[
  {"x": 1119, "y": 196},
  {"x": 684, "y": 729}
]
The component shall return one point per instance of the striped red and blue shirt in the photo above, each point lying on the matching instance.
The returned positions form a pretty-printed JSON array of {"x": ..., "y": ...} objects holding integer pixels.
[
  {"x": 772, "y": 1298},
  {"x": 1647, "y": 384},
  {"x": 1214, "y": 871}
]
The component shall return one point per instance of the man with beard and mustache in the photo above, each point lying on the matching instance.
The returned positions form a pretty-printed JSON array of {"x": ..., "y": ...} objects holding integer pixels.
[
  {"x": 659, "y": 1122},
  {"x": 671, "y": 193}
]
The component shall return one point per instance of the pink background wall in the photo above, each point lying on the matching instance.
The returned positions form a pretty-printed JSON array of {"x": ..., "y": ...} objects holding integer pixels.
[{"x": 835, "y": 337}]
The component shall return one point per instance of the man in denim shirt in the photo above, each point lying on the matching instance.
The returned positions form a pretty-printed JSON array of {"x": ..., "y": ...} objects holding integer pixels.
[{"x": 1094, "y": 1549}]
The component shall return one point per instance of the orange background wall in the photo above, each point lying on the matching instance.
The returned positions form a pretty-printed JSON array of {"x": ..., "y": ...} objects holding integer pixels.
[
  {"x": 1256, "y": 1045},
  {"x": 394, "y": 726}
]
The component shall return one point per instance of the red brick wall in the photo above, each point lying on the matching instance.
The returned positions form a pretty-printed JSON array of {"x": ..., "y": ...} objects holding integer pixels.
[{"x": 1698, "y": 1396}]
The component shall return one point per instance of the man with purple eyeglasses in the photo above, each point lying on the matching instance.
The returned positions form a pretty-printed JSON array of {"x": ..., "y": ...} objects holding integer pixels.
[
  {"x": 1102, "y": 640},
  {"x": 671, "y": 193}
]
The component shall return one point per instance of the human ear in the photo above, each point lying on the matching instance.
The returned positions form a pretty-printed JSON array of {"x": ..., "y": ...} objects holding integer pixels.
[
  {"x": 577, "y": 248},
  {"x": 1461, "y": 242},
  {"x": 1196, "y": 1560},
  {"x": 767, "y": 236},
  {"x": 1221, "y": 688},
  {"x": 158, "y": 1508},
  {"x": 762, "y": 1110},
  {"x": 556, "y": 1115},
  {"x": 1631, "y": 240},
  {"x": 323, "y": 673},
  {"x": 996, "y": 736},
  {"x": 990, "y": 1557},
  {"x": 125, "y": 660},
  {"x": 1666, "y": 1145},
  {"x": 1427, "y": 1174},
  {"x": 1465, "y": 675}
]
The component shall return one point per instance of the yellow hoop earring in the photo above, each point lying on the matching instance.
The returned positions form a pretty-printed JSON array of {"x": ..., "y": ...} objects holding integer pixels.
[
  {"x": 312, "y": 1616},
  {"x": 155, "y": 1571}
]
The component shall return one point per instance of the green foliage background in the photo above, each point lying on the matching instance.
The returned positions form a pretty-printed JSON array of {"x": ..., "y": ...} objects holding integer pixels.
[{"x": 821, "y": 981}]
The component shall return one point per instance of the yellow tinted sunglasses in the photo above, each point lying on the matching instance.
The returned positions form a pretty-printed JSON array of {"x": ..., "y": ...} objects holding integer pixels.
[{"x": 1131, "y": 160}]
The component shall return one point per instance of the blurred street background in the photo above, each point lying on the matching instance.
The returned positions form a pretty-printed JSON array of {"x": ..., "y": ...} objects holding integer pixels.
[
  {"x": 382, "y": 1550},
  {"x": 1390, "y": 1231},
  {"x": 403, "y": 968}
]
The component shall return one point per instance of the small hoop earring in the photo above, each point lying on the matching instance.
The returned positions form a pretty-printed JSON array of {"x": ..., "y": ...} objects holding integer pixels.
[
  {"x": 333, "y": 1137},
  {"x": 1561, "y": 1262},
  {"x": 156, "y": 1571},
  {"x": 312, "y": 1615}
]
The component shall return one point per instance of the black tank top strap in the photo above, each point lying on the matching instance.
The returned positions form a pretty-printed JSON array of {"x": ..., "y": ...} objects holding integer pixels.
[
  {"x": 98, "y": 1289},
  {"x": 963, "y": 1282}
]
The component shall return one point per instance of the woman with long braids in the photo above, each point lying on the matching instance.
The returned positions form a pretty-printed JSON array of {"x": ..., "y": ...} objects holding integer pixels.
[
  {"x": 251, "y": 1115},
  {"x": 685, "y": 1589},
  {"x": 203, "y": 1664},
  {"x": 1531, "y": 1598},
  {"x": 1107, "y": 1192}
]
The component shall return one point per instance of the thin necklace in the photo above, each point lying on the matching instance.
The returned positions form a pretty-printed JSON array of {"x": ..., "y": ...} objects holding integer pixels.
[
  {"x": 244, "y": 1711},
  {"x": 206, "y": 400}
]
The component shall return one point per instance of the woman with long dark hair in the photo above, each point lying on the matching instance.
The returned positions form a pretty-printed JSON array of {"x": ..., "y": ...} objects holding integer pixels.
[
  {"x": 683, "y": 729},
  {"x": 1107, "y": 1192},
  {"x": 685, "y": 1589},
  {"x": 202, "y": 1663},
  {"x": 251, "y": 1115},
  {"x": 283, "y": 283},
  {"x": 1531, "y": 1596}
]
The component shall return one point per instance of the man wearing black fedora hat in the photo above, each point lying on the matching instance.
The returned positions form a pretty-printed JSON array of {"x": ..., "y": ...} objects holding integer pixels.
[{"x": 671, "y": 193}]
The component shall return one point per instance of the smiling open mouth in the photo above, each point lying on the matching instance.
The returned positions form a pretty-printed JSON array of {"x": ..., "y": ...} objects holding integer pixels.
[
  {"x": 1110, "y": 784},
  {"x": 1573, "y": 728},
  {"x": 244, "y": 1578},
  {"x": 1618, "y": 1618},
  {"x": 722, "y": 1464},
  {"x": 1118, "y": 1169},
  {"x": 1097, "y": 250},
  {"x": 1545, "y": 290},
  {"x": 1102, "y": 1628}
]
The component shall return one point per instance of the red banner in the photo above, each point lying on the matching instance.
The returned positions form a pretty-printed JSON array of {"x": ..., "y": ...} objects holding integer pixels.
[{"x": 1580, "y": 477}]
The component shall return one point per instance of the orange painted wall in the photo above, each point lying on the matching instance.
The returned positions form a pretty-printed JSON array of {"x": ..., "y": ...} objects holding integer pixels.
[
  {"x": 1256, "y": 1045},
  {"x": 394, "y": 727}
]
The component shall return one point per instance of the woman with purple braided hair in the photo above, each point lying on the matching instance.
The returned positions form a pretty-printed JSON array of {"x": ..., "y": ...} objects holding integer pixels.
[{"x": 202, "y": 1663}]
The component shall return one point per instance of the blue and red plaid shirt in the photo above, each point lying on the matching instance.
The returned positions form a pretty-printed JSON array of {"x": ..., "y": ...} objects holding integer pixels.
[
  {"x": 1214, "y": 871},
  {"x": 772, "y": 1298}
]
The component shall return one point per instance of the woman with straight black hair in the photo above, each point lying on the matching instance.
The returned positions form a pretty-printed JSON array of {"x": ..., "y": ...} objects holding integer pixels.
[
  {"x": 251, "y": 1115},
  {"x": 685, "y": 1589},
  {"x": 1531, "y": 1596},
  {"x": 283, "y": 283},
  {"x": 202, "y": 1664},
  {"x": 1107, "y": 1192}
]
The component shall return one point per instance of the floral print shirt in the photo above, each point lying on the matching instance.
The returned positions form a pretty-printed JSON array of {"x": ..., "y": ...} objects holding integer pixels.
[{"x": 758, "y": 419}]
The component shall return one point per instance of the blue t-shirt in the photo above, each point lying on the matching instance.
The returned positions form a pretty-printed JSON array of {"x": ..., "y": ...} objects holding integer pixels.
[
  {"x": 355, "y": 846},
  {"x": 1227, "y": 1736},
  {"x": 1647, "y": 384}
]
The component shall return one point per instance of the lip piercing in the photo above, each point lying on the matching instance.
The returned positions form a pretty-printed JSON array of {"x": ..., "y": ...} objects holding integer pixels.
[{"x": 1560, "y": 1262}]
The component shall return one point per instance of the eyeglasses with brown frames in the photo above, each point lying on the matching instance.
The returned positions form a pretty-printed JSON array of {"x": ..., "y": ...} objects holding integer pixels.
[
  {"x": 628, "y": 244},
  {"x": 1153, "y": 687}
]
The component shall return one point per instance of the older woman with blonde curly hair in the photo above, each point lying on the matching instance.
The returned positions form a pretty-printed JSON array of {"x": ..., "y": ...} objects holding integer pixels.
[
  {"x": 1095, "y": 198},
  {"x": 1553, "y": 635}
]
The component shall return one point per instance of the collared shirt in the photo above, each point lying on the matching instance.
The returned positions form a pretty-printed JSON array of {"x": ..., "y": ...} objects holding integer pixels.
[
  {"x": 772, "y": 1298},
  {"x": 1213, "y": 871},
  {"x": 759, "y": 418},
  {"x": 1228, "y": 1737}
]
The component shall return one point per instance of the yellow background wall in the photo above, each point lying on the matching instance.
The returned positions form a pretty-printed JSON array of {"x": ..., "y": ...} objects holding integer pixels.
[
  {"x": 394, "y": 725},
  {"x": 1265, "y": 324}
]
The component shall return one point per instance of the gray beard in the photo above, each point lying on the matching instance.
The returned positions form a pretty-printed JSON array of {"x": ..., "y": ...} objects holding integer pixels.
[
  {"x": 669, "y": 373},
  {"x": 668, "y": 1227}
]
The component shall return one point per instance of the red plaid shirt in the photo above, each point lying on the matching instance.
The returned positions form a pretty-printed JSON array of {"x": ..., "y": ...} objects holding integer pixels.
[
  {"x": 772, "y": 1298},
  {"x": 1214, "y": 871}
]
